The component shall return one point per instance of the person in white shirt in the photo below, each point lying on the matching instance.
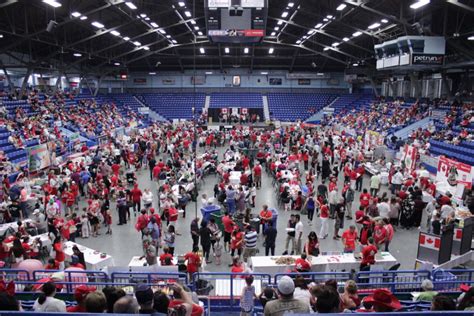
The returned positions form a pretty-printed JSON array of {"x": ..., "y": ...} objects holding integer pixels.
[
  {"x": 46, "y": 302},
  {"x": 298, "y": 234},
  {"x": 333, "y": 199},
  {"x": 430, "y": 211},
  {"x": 446, "y": 210},
  {"x": 384, "y": 208},
  {"x": 397, "y": 180},
  {"x": 147, "y": 198},
  {"x": 374, "y": 184}
]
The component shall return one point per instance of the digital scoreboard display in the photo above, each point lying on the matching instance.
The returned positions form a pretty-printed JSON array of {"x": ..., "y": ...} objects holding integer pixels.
[{"x": 236, "y": 21}]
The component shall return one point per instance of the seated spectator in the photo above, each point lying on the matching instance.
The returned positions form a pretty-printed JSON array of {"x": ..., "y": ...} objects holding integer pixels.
[
  {"x": 80, "y": 294},
  {"x": 302, "y": 292},
  {"x": 144, "y": 295},
  {"x": 327, "y": 300},
  {"x": 8, "y": 302},
  {"x": 466, "y": 303},
  {"x": 286, "y": 302},
  {"x": 383, "y": 301},
  {"x": 161, "y": 303},
  {"x": 95, "y": 302},
  {"x": 442, "y": 303},
  {"x": 268, "y": 294},
  {"x": 182, "y": 300},
  {"x": 46, "y": 302},
  {"x": 428, "y": 293},
  {"x": 350, "y": 299},
  {"x": 126, "y": 305},
  {"x": 112, "y": 295}
]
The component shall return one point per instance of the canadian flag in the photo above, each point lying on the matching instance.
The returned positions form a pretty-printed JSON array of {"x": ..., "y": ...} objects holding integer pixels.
[
  {"x": 431, "y": 242},
  {"x": 457, "y": 234}
]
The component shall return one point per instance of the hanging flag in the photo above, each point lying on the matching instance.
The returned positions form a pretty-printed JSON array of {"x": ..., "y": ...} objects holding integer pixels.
[{"x": 429, "y": 241}]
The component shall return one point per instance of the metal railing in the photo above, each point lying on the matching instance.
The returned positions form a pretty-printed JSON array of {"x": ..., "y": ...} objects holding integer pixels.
[{"x": 403, "y": 281}]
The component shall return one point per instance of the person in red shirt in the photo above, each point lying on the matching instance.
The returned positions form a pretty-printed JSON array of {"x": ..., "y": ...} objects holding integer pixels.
[
  {"x": 52, "y": 265},
  {"x": 237, "y": 241},
  {"x": 365, "y": 198},
  {"x": 183, "y": 298},
  {"x": 266, "y": 217},
  {"x": 228, "y": 229},
  {"x": 136, "y": 198},
  {"x": 380, "y": 234},
  {"x": 193, "y": 261},
  {"x": 257, "y": 175},
  {"x": 302, "y": 264},
  {"x": 80, "y": 294},
  {"x": 324, "y": 217},
  {"x": 59, "y": 251},
  {"x": 244, "y": 179},
  {"x": 365, "y": 232},
  {"x": 166, "y": 255},
  {"x": 116, "y": 169},
  {"x": 156, "y": 172},
  {"x": 360, "y": 170},
  {"x": 245, "y": 162},
  {"x": 349, "y": 238},
  {"x": 368, "y": 254}
]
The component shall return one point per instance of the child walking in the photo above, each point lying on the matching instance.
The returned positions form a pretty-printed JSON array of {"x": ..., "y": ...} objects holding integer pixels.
[
  {"x": 86, "y": 226},
  {"x": 247, "y": 298},
  {"x": 218, "y": 251},
  {"x": 108, "y": 222}
]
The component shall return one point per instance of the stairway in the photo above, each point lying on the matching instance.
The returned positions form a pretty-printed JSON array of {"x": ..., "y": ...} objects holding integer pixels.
[
  {"x": 207, "y": 103},
  {"x": 406, "y": 131},
  {"x": 318, "y": 116},
  {"x": 266, "y": 110},
  {"x": 152, "y": 114}
]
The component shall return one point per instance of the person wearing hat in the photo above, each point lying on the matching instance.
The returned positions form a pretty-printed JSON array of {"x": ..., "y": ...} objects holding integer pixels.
[
  {"x": 383, "y": 301},
  {"x": 40, "y": 220},
  {"x": 144, "y": 296},
  {"x": 285, "y": 303},
  {"x": 80, "y": 294}
]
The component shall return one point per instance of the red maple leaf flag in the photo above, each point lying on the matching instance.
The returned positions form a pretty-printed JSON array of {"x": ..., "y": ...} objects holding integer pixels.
[
  {"x": 457, "y": 234},
  {"x": 430, "y": 242}
]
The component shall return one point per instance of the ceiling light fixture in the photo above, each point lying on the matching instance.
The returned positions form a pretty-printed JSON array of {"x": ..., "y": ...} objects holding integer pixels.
[
  {"x": 97, "y": 24},
  {"x": 137, "y": 43},
  {"x": 470, "y": 38},
  {"x": 162, "y": 31},
  {"x": 76, "y": 14},
  {"x": 52, "y": 3},
  {"x": 345, "y": 39},
  {"x": 154, "y": 24},
  {"x": 181, "y": 4},
  {"x": 202, "y": 50},
  {"x": 77, "y": 55},
  {"x": 227, "y": 50},
  {"x": 174, "y": 41},
  {"x": 384, "y": 21},
  {"x": 264, "y": 73},
  {"x": 325, "y": 20},
  {"x": 83, "y": 18},
  {"x": 131, "y": 5},
  {"x": 276, "y": 28},
  {"x": 192, "y": 22},
  {"x": 208, "y": 72},
  {"x": 152, "y": 73},
  {"x": 280, "y": 22},
  {"x": 335, "y": 44},
  {"x": 200, "y": 33},
  {"x": 168, "y": 36},
  {"x": 117, "y": 64},
  {"x": 355, "y": 64},
  {"x": 271, "y": 50},
  {"x": 146, "y": 48},
  {"x": 329, "y": 16},
  {"x": 358, "y": 33},
  {"x": 419, "y": 4},
  {"x": 373, "y": 26},
  {"x": 126, "y": 38},
  {"x": 246, "y": 50},
  {"x": 147, "y": 19},
  {"x": 143, "y": 15},
  {"x": 187, "y": 13},
  {"x": 115, "y": 33},
  {"x": 298, "y": 42},
  {"x": 196, "y": 28},
  {"x": 284, "y": 14},
  {"x": 317, "y": 26},
  {"x": 326, "y": 48},
  {"x": 291, "y": 4},
  {"x": 273, "y": 34},
  {"x": 311, "y": 32},
  {"x": 341, "y": 7}
]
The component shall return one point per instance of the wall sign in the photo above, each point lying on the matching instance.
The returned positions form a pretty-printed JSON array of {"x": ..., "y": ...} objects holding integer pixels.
[{"x": 426, "y": 59}]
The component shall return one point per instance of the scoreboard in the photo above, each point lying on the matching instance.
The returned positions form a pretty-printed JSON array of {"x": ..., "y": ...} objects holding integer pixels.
[{"x": 236, "y": 21}]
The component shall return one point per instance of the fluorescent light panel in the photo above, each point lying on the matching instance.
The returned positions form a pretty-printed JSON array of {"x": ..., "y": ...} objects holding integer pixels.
[
  {"x": 202, "y": 50},
  {"x": 83, "y": 18},
  {"x": 115, "y": 33},
  {"x": 162, "y": 31},
  {"x": 273, "y": 34},
  {"x": 246, "y": 50},
  {"x": 77, "y": 55},
  {"x": 187, "y": 13},
  {"x": 291, "y": 4},
  {"x": 341, "y": 7},
  {"x": 311, "y": 32},
  {"x": 126, "y": 38},
  {"x": 384, "y": 21},
  {"x": 152, "y": 73},
  {"x": 317, "y": 26},
  {"x": 146, "y": 48},
  {"x": 208, "y": 72},
  {"x": 345, "y": 39},
  {"x": 374, "y": 26},
  {"x": 137, "y": 43},
  {"x": 196, "y": 28},
  {"x": 264, "y": 73},
  {"x": 192, "y": 22},
  {"x": 276, "y": 28},
  {"x": 154, "y": 24},
  {"x": 131, "y": 5},
  {"x": 117, "y": 64},
  {"x": 280, "y": 22},
  {"x": 52, "y": 3},
  {"x": 284, "y": 14},
  {"x": 419, "y": 4},
  {"x": 271, "y": 50},
  {"x": 358, "y": 33},
  {"x": 470, "y": 38},
  {"x": 76, "y": 14},
  {"x": 143, "y": 15},
  {"x": 181, "y": 4},
  {"x": 97, "y": 24},
  {"x": 200, "y": 33},
  {"x": 227, "y": 50}
]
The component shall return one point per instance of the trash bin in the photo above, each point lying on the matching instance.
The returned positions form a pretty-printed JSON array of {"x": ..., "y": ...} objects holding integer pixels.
[
  {"x": 217, "y": 216},
  {"x": 208, "y": 210},
  {"x": 444, "y": 281},
  {"x": 255, "y": 223}
]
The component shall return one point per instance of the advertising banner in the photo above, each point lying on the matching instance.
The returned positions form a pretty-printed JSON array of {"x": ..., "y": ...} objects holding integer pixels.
[
  {"x": 39, "y": 157},
  {"x": 454, "y": 172},
  {"x": 409, "y": 156}
]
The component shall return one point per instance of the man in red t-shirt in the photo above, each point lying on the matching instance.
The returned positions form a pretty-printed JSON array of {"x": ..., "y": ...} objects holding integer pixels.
[
  {"x": 136, "y": 198},
  {"x": 349, "y": 238},
  {"x": 165, "y": 255},
  {"x": 116, "y": 169},
  {"x": 257, "y": 175},
  {"x": 302, "y": 265},
  {"x": 368, "y": 254},
  {"x": 228, "y": 228},
  {"x": 193, "y": 261},
  {"x": 365, "y": 198},
  {"x": 80, "y": 294}
]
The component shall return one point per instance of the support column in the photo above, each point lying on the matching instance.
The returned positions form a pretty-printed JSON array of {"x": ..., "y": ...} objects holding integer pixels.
[{"x": 25, "y": 81}]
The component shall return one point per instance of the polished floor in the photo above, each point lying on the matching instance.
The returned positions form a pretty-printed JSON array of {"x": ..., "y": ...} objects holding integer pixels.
[{"x": 125, "y": 242}]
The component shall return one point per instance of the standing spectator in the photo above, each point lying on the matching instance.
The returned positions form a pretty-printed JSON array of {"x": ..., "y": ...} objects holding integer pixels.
[
  {"x": 257, "y": 175},
  {"x": 394, "y": 213},
  {"x": 339, "y": 216},
  {"x": 299, "y": 234},
  {"x": 228, "y": 229},
  {"x": 205, "y": 235},
  {"x": 247, "y": 297},
  {"x": 349, "y": 238},
  {"x": 136, "y": 199},
  {"x": 310, "y": 205},
  {"x": 349, "y": 198},
  {"x": 170, "y": 238},
  {"x": 324, "y": 217},
  {"x": 250, "y": 239},
  {"x": 195, "y": 231},
  {"x": 390, "y": 232},
  {"x": 58, "y": 248},
  {"x": 333, "y": 200},
  {"x": 290, "y": 235},
  {"x": 368, "y": 254},
  {"x": 230, "y": 199},
  {"x": 380, "y": 234},
  {"x": 270, "y": 239},
  {"x": 375, "y": 184},
  {"x": 193, "y": 261},
  {"x": 237, "y": 241},
  {"x": 397, "y": 180}
]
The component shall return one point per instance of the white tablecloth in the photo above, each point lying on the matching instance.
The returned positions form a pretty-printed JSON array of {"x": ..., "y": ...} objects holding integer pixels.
[
  {"x": 234, "y": 178},
  {"x": 326, "y": 263},
  {"x": 13, "y": 225},
  {"x": 91, "y": 256},
  {"x": 222, "y": 287},
  {"x": 427, "y": 197}
]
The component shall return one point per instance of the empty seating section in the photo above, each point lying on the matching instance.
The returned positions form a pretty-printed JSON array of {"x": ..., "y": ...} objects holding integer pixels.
[
  {"x": 348, "y": 102},
  {"x": 174, "y": 105},
  {"x": 297, "y": 106},
  {"x": 236, "y": 100},
  {"x": 125, "y": 100},
  {"x": 464, "y": 152}
]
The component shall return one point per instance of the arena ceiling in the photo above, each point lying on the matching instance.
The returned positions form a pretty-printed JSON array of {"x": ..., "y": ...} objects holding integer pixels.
[{"x": 159, "y": 35}]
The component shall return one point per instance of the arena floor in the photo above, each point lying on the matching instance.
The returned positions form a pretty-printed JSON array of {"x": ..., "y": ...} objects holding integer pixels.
[{"x": 125, "y": 241}]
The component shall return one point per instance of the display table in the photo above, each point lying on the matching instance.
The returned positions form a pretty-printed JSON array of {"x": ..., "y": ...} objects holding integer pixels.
[
  {"x": 44, "y": 238},
  {"x": 222, "y": 287},
  {"x": 92, "y": 257},
  {"x": 234, "y": 178},
  {"x": 12, "y": 225},
  {"x": 323, "y": 263}
]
